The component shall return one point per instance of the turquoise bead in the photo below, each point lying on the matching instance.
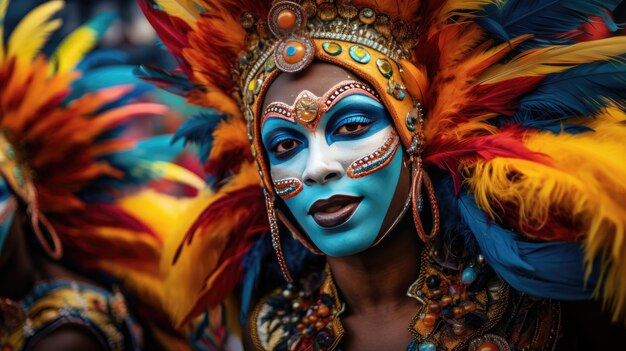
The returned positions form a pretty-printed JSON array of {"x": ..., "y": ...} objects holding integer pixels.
[
  {"x": 469, "y": 275},
  {"x": 290, "y": 51},
  {"x": 428, "y": 346}
]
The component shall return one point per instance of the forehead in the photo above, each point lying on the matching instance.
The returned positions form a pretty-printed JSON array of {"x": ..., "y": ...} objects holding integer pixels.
[{"x": 317, "y": 78}]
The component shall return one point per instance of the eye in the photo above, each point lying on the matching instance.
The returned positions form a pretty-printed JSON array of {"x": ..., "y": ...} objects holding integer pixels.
[
  {"x": 285, "y": 147},
  {"x": 353, "y": 126}
]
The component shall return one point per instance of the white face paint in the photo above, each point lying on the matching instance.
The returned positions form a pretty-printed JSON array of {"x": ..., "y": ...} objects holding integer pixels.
[{"x": 334, "y": 161}]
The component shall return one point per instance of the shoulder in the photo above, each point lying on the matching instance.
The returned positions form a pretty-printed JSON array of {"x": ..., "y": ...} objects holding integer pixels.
[
  {"x": 68, "y": 315},
  {"x": 69, "y": 337}
]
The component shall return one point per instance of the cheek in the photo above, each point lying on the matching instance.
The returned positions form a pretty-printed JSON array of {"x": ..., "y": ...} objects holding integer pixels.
[
  {"x": 287, "y": 176},
  {"x": 363, "y": 157}
]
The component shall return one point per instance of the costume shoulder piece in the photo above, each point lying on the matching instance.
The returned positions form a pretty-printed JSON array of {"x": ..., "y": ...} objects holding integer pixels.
[
  {"x": 54, "y": 305},
  {"x": 462, "y": 308}
]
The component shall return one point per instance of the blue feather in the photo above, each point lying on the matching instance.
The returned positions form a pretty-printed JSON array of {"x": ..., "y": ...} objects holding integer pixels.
[
  {"x": 547, "y": 20},
  {"x": 104, "y": 77},
  {"x": 198, "y": 130},
  {"x": 552, "y": 270},
  {"x": 252, "y": 270},
  {"x": 177, "y": 84},
  {"x": 581, "y": 91},
  {"x": 102, "y": 58}
]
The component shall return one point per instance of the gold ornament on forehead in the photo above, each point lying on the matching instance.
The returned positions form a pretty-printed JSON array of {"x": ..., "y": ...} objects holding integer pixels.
[{"x": 306, "y": 109}]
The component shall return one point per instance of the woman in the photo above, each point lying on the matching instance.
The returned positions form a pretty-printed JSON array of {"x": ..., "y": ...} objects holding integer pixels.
[
  {"x": 455, "y": 163},
  {"x": 74, "y": 227}
]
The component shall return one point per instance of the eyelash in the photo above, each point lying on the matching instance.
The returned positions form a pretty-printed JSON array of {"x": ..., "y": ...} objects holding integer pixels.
[
  {"x": 352, "y": 120},
  {"x": 277, "y": 141}
]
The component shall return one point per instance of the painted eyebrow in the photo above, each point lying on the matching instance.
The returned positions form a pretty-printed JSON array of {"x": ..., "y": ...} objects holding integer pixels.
[{"x": 339, "y": 108}]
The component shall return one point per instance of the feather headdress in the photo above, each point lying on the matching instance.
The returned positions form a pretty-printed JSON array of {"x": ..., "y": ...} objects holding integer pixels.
[
  {"x": 524, "y": 117},
  {"x": 72, "y": 164}
]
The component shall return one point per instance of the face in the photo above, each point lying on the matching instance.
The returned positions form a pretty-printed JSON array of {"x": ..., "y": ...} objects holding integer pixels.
[
  {"x": 8, "y": 207},
  {"x": 334, "y": 155}
]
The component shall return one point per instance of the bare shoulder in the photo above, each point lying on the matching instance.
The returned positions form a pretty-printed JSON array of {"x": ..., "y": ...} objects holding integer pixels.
[{"x": 70, "y": 337}]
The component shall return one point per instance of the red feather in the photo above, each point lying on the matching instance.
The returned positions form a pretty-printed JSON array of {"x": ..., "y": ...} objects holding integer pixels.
[
  {"x": 499, "y": 98},
  {"x": 449, "y": 153}
]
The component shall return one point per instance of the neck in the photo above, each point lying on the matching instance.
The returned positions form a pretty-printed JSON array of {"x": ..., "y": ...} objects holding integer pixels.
[
  {"x": 381, "y": 275},
  {"x": 25, "y": 266}
]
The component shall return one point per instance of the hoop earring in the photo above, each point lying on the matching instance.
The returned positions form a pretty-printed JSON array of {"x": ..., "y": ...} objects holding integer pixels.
[
  {"x": 421, "y": 179},
  {"x": 40, "y": 224},
  {"x": 271, "y": 215}
]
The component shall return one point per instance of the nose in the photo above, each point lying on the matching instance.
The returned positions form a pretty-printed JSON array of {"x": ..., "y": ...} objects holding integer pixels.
[{"x": 321, "y": 166}]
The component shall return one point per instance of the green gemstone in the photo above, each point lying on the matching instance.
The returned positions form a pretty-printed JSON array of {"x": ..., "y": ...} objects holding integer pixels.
[
  {"x": 360, "y": 54},
  {"x": 270, "y": 64},
  {"x": 385, "y": 68},
  {"x": 410, "y": 123},
  {"x": 368, "y": 13},
  {"x": 332, "y": 49}
]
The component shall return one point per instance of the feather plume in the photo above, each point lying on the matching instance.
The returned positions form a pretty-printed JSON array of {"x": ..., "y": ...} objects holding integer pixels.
[
  {"x": 228, "y": 223},
  {"x": 582, "y": 190},
  {"x": 548, "y": 270},
  {"x": 546, "y": 20},
  {"x": 581, "y": 91},
  {"x": 555, "y": 59},
  {"x": 186, "y": 10},
  {"x": 33, "y": 31},
  {"x": 73, "y": 48},
  {"x": 4, "y": 4}
]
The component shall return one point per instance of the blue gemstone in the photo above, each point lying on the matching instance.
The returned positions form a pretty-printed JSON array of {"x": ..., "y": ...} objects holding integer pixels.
[
  {"x": 291, "y": 50},
  {"x": 402, "y": 96},
  {"x": 360, "y": 54},
  {"x": 428, "y": 346},
  {"x": 469, "y": 275}
]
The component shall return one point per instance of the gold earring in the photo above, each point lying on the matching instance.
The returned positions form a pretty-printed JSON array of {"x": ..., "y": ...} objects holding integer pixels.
[{"x": 271, "y": 215}]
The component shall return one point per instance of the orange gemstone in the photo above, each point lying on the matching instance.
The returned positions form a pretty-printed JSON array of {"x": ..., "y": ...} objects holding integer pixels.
[
  {"x": 319, "y": 325},
  {"x": 313, "y": 318},
  {"x": 488, "y": 346},
  {"x": 434, "y": 307},
  {"x": 294, "y": 52},
  {"x": 323, "y": 310},
  {"x": 445, "y": 301},
  {"x": 458, "y": 312},
  {"x": 430, "y": 319},
  {"x": 286, "y": 19}
]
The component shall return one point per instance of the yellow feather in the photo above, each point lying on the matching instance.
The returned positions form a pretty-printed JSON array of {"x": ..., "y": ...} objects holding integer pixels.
[
  {"x": 555, "y": 59},
  {"x": 72, "y": 50},
  {"x": 183, "y": 9},
  {"x": 173, "y": 172},
  {"x": 33, "y": 31},
  {"x": 3, "y": 12},
  {"x": 585, "y": 183}
]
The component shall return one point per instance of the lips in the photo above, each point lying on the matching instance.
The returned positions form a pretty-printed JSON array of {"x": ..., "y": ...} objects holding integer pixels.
[{"x": 335, "y": 210}]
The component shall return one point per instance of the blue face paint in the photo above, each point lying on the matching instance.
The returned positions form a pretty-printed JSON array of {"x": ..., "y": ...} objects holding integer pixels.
[
  {"x": 351, "y": 153},
  {"x": 7, "y": 211}
]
